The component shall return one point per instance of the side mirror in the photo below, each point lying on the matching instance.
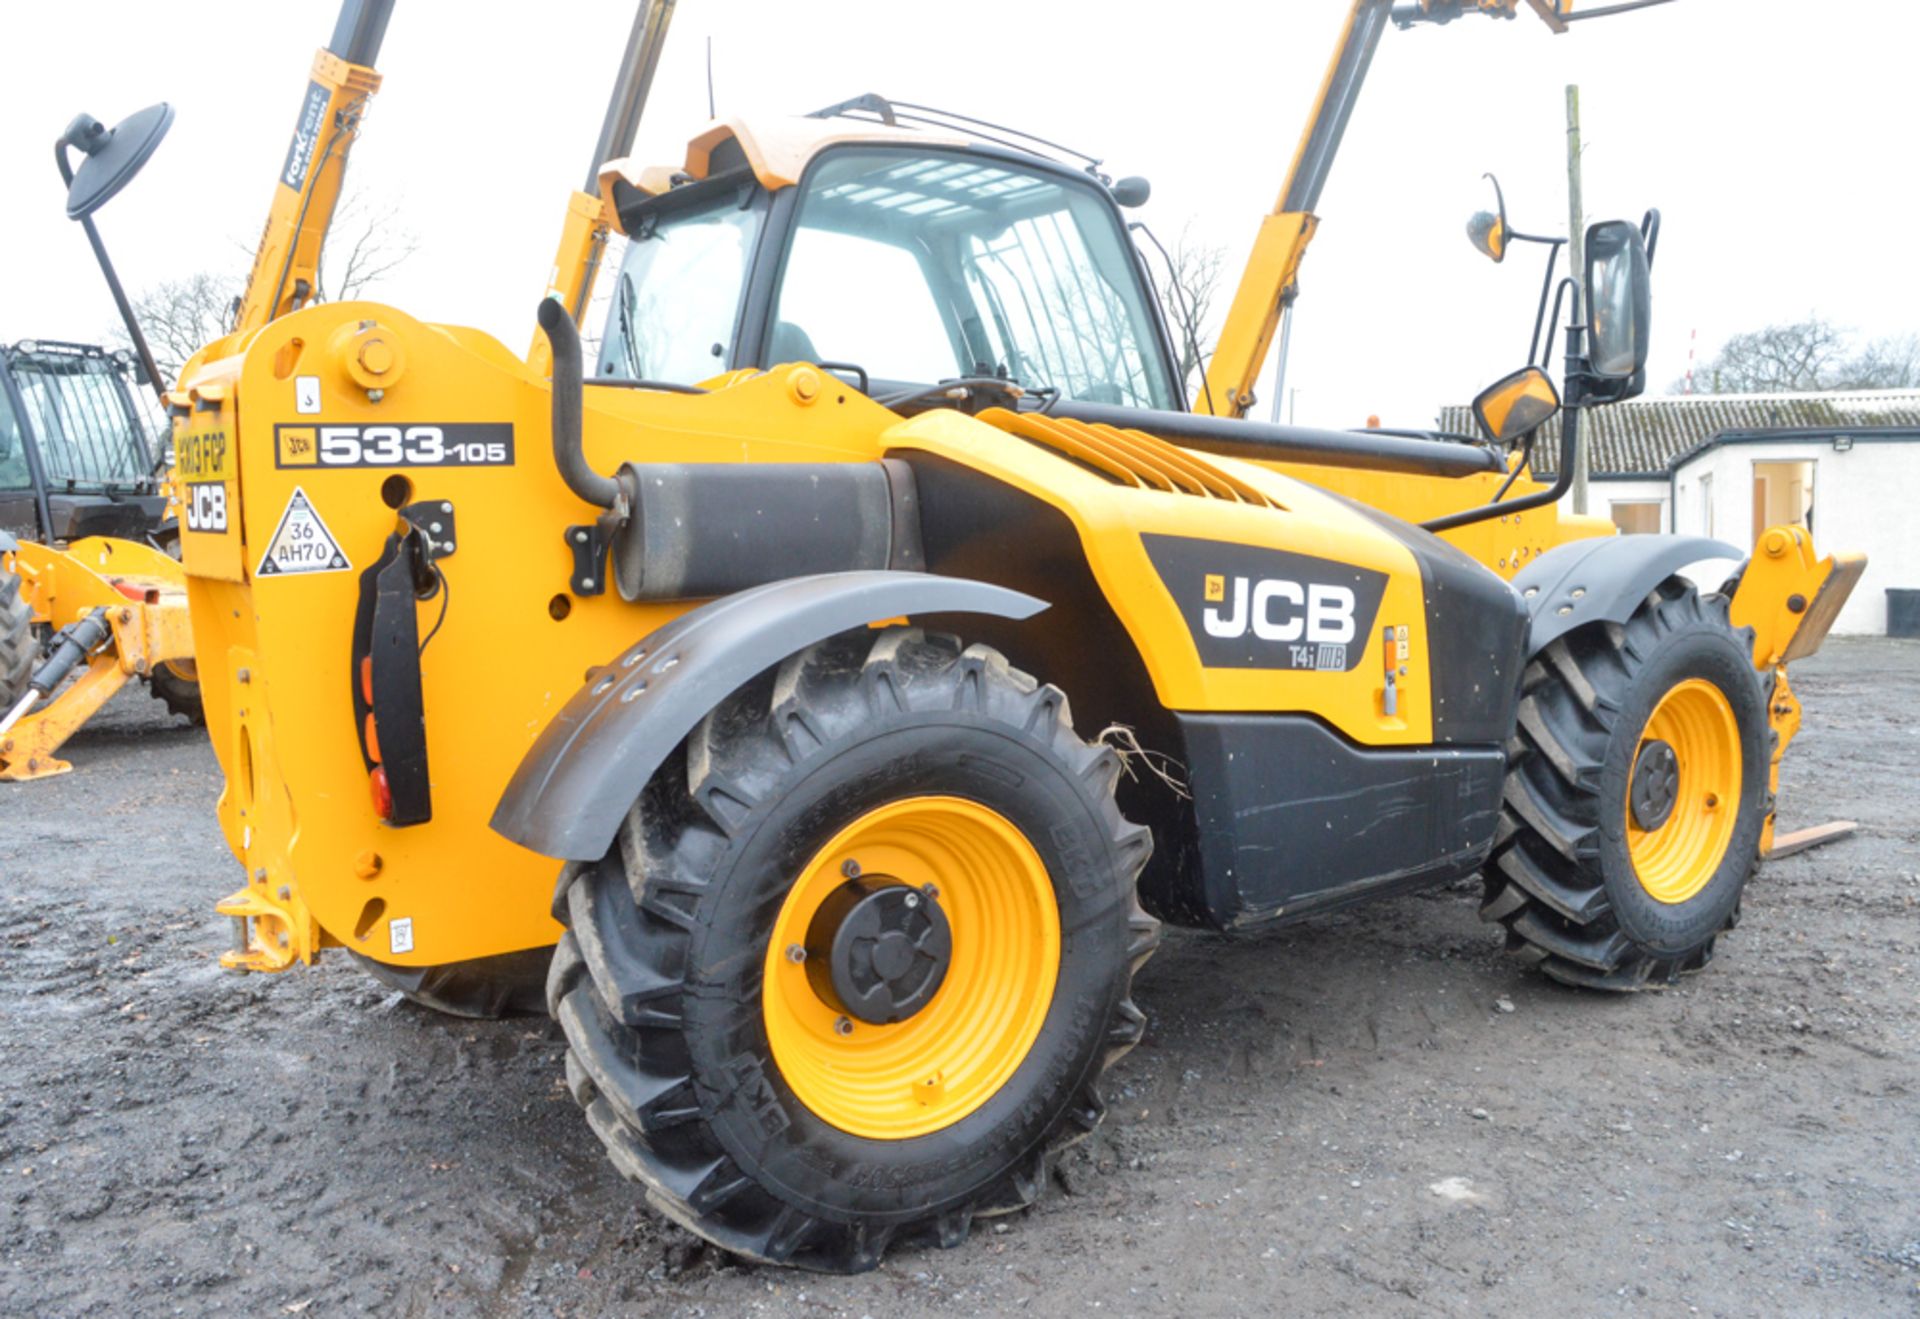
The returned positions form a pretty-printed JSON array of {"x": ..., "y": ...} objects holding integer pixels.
[
  {"x": 1619, "y": 301},
  {"x": 111, "y": 156},
  {"x": 1131, "y": 191},
  {"x": 1510, "y": 409},
  {"x": 1488, "y": 229}
]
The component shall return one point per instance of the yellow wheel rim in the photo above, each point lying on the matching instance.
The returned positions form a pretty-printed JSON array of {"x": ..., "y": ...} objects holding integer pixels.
[
  {"x": 1674, "y": 861},
  {"x": 912, "y": 1077}
]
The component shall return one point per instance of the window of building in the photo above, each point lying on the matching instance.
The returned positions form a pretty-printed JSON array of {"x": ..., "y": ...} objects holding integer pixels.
[{"x": 1639, "y": 517}]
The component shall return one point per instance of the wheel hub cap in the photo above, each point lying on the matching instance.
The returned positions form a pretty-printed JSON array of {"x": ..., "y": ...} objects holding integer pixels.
[
  {"x": 1656, "y": 785},
  {"x": 880, "y": 948},
  {"x": 1683, "y": 793}
]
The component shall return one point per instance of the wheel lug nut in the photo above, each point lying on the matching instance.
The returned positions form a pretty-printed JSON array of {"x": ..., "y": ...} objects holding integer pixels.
[
  {"x": 842, "y": 1026},
  {"x": 931, "y": 890},
  {"x": 850, "y": 868},
  {"x": 912, "y": 900},
  {"x": 795, "y": 953}
]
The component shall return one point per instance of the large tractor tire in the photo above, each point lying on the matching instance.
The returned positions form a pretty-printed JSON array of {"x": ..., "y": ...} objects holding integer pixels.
[
  {"x": 854, "y": 967},
  {"x": 18, "y": 649},
  {"x": 1635, "y": 798},
  {"x": 509, "y": 985}
]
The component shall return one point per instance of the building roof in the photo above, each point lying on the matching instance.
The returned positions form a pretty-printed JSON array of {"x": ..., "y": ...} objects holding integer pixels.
[{"x": 1648, "y": 436}]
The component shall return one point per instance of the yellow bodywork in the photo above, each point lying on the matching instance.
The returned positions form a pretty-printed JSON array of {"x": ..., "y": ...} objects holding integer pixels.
[
  {"x": 514, "y": 643},
  {"x": 146, "y": 594}
]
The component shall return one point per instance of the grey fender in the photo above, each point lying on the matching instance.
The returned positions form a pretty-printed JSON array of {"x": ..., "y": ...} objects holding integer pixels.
[
  {"x": 1603, "y": 579},
  {"x": 589, "y": 764}
]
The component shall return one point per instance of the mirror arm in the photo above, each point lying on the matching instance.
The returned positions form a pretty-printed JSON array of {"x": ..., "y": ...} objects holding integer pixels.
[
  {"x": 127, "y": 317},
  {"x": 1574, "y": 399},
  {"x": 1650, "y": 233},
  {"x": 1559, "y": 296},
  {"x": 1540, "y": 314}
]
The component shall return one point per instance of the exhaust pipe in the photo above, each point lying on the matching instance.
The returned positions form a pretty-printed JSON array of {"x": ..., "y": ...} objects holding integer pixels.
[{"x": 569, "y": 455}]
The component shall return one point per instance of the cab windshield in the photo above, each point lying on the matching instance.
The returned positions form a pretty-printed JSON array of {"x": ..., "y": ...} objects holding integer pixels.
[
  {"x": 923, "y": 266},
  {"x": 77, "y": 409}
]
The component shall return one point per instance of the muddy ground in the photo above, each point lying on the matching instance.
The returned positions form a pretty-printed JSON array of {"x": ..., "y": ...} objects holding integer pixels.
[{"x": 1375, "y": 1111}]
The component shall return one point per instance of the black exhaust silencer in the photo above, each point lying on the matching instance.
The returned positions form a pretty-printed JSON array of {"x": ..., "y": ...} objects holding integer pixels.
[{"x": 699, "y": 530}]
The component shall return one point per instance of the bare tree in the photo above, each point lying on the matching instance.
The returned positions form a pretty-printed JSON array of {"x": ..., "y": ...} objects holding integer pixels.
[
  {"x": 180, "y": 316},
  {"x": 364, "y": 246},
  {"x": 1808, "y": 356},
  {"x": 1188, "y": 285}
]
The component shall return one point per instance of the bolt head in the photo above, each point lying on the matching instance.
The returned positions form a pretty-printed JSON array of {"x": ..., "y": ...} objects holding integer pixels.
[
  {"x": 912, "y": 900},
  {"x": 842, "y": 1026},
  {"x": 850, "y": 868},
  {"x": 795, "y": 953}
]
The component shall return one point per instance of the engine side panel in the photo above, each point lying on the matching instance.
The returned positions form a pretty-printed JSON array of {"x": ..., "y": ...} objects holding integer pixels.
[{"x": 1289, "y": 819}]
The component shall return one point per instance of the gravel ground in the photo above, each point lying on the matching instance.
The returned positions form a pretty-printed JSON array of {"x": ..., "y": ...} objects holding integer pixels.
[{"x": 1373, "y": 1111}]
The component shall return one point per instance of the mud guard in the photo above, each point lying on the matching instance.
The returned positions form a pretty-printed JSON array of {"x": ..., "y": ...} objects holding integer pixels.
[
  {"x": 568, "y": 796},
  {"x": 1603, "y": 580}
]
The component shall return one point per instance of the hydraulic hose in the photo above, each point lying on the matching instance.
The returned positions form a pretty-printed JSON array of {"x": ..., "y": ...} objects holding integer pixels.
[
  {"x": 569, "y": 455},
  {"x": 73, "y": 643}
]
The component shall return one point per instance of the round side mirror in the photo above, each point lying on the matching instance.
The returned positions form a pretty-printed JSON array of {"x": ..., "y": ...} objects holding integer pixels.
[
  {"x": 112, "y": 156},
  {"x": 1131, "y": 191},
  {"x": 1488, "y": 229}
]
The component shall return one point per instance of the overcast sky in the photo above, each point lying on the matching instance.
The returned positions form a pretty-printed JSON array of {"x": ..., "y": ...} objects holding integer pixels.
[{"x": 1774, "y": 135}]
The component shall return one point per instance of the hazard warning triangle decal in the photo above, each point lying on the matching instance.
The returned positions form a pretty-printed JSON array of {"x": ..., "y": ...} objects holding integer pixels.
[{"x": 301, "y": 543}]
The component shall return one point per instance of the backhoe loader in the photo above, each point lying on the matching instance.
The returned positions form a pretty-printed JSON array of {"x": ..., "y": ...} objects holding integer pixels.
[
  {"x": 833, "y": 684},
  {"x": 85, "y": 578}
]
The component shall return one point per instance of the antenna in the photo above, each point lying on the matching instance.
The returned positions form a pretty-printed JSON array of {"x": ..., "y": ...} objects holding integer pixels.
[{"x": 711, "y": 112}]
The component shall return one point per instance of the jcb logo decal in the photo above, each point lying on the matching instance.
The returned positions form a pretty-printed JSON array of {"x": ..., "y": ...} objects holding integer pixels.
[
  {"x": 1276, "y": 609},
  {"x": 206, "y": 506},
  {"x": 1253, "y": 608}
]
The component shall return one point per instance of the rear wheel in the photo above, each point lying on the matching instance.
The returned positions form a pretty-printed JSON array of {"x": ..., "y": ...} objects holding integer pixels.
[
  {"x": 1636, "y": 794},
  {"x": 17, "y": 648},
  {"x": 859, "y": 957}
]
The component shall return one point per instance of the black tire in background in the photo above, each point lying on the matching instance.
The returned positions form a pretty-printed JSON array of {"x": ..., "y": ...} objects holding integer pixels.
[
  {"x": 18, "y": 648},
  {"x": 509, "y": 985},
  {"x": 179, "y": 693},
  {"x": 658, "y": 980},
  {"x": 1562, "y": 880}
]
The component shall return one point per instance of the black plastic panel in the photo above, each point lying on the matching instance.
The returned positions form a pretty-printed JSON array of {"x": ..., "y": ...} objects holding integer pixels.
[{"x": 1289, "y": 819}]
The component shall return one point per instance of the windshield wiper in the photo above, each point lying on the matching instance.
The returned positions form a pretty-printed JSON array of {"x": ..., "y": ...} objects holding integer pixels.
[{"x": 627, "y": 349}]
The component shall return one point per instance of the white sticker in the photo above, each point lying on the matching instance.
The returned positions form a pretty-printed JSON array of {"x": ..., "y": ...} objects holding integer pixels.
[
  {"x": 400, "y": 932},
  {"x": 301, "y": 543},
  {"x": 306, "y": 393}
]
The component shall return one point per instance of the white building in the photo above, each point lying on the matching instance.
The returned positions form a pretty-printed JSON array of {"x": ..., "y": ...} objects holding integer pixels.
[{"x": 1843, "y": 465}]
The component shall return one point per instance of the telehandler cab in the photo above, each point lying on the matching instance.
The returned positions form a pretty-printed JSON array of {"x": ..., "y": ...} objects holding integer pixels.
[{"x": 884, "y": 420}]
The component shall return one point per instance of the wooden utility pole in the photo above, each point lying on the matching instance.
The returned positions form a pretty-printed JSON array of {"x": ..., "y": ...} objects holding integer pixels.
[{"x": 1577, "y": 254}]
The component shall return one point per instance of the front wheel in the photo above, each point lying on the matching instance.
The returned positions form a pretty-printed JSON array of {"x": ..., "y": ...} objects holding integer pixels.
[
  {"x": 1636, "y": 795},
  {"x": 854, "y": 967}
]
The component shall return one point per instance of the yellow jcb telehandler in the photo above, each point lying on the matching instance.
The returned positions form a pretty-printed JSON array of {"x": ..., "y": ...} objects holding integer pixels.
[{"x": 806, "y": 636}]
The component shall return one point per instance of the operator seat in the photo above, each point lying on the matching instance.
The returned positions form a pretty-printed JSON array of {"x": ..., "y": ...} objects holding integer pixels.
[{"x": 790, "y": 343}]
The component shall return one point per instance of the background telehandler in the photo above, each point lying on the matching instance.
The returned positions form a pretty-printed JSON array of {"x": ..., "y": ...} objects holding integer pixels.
[
  {"x": 85, "y": 580},
  {"x": 883, "y": 421}
]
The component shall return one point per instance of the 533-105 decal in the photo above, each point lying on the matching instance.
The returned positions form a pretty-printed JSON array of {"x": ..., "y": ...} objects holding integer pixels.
[{"x": 446, "y": 444}]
